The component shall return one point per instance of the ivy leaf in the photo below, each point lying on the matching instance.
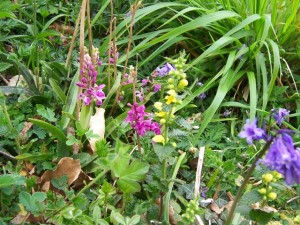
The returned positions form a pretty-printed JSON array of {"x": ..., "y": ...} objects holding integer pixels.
[
  {"x": 129, "y": 173},
  {"x": 46, "y": 113}
]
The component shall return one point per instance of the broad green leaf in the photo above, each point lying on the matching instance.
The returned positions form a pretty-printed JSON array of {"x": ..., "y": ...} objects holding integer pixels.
[
  {"x": 129, "y": 173},
  {"x": 253, "y": 94}
]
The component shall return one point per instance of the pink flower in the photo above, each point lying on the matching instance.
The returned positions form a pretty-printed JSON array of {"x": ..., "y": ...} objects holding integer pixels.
[{"x": 140, "y": 120}]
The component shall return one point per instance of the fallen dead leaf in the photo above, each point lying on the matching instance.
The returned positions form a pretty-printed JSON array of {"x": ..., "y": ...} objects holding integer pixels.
[
  {"x": 82, "y": 179},
  {"x": 214, "y": 207},
  {"x": 66, "y": 166},
  {"x": 23, "y": 133}
]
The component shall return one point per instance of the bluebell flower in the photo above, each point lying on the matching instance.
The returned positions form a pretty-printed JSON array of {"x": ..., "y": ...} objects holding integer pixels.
[
  {"x": 251, "y": 132},
  {"x": 284, "y": 158},
  {"x": 280, "y": 115}
]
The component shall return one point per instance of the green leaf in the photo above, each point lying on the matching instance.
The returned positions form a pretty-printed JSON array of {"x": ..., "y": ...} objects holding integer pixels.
[
  {"x": 50, "y": 128},
  {"x": 162, "y": 151},
  {"x": 129, "y": 186},
  {"x": 39, "y": 196},
  {"x": 135, "y": 219},
  {"x": 28, "y": 78},
  {"x": 4, "y": 66},
  {"x": 129, "y": 174},
  {"x": 260, "y": 216},
  {"x": 33, "y": 157},
  {"x": 60, "y": 183},
  {"x": 7, "y": 180},
  {"x": 117, "y": 218},
  {"x": 46, "y": 113},
  {"x": 57, "y": 90}
]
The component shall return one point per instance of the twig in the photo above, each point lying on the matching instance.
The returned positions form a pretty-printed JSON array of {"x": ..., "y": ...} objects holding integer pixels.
[
  {"x": 7, "y": 155},
  {"x": 198, "y": 180},
  {"x": 3, "y": 78}
]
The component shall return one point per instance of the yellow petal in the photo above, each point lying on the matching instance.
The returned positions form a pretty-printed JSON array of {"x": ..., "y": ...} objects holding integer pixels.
[
  {"x": 158, "y": 139},
  {"x": 158, "y": 105}
]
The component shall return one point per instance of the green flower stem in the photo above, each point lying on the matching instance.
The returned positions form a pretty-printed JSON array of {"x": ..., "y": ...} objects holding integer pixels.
[
  {"x": 170, "y": 187},
  {"x": 89, "y": 185},
  {"x": 246, "y": 179}
]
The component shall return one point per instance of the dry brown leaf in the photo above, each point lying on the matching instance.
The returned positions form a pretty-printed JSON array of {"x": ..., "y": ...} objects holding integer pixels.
[
  {"x": 66, "y": 166},
  {"x": 19, "y": 218},
  {"x": 82, "y": 179},
  {"x": 27, "y": 126},
  {"x": 214, "y": 207},
  {"x": 216, "y": 194}
]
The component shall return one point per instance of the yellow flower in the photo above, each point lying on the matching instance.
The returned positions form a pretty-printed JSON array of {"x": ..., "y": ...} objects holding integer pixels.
[
  {"x": 183, "y": 83},
  {"x": 172, "y": 93},
  {"x": 161, "y": 114},
  {"x": 159, "y": 139},
  {"x": 170, "y": 99},
  {"x": 158, "y": 105}
]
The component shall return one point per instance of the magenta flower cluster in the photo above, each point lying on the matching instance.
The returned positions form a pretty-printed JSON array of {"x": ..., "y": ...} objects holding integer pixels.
[
  {"x": 90, "y": 90},
  {"x": 282, "y": 156},
  {"x": 140, "y": 120}
]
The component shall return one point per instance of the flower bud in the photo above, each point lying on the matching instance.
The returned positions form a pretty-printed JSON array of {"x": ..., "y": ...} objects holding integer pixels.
[
  {"x": 272, "y": 195},
  {"x": 162, "y": 121},
  {"x": 268, "y": 177},
  {"x": 182, "y": 83},
  {"x": 262, "y": 191},
  {"x": 170, "y": 81}
]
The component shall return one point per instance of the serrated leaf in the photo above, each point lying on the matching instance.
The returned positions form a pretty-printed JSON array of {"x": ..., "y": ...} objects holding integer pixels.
[
  {"x": 46, "y": 113},
  {"x": 250, "y": 198},
  {"x": 178, "y": 133},
  {"x": 25, "y": 200},
  {"x": 187, "y": 189},
  {"x": 39, "y": 196},
  {"x": 162, "y": 151}
]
